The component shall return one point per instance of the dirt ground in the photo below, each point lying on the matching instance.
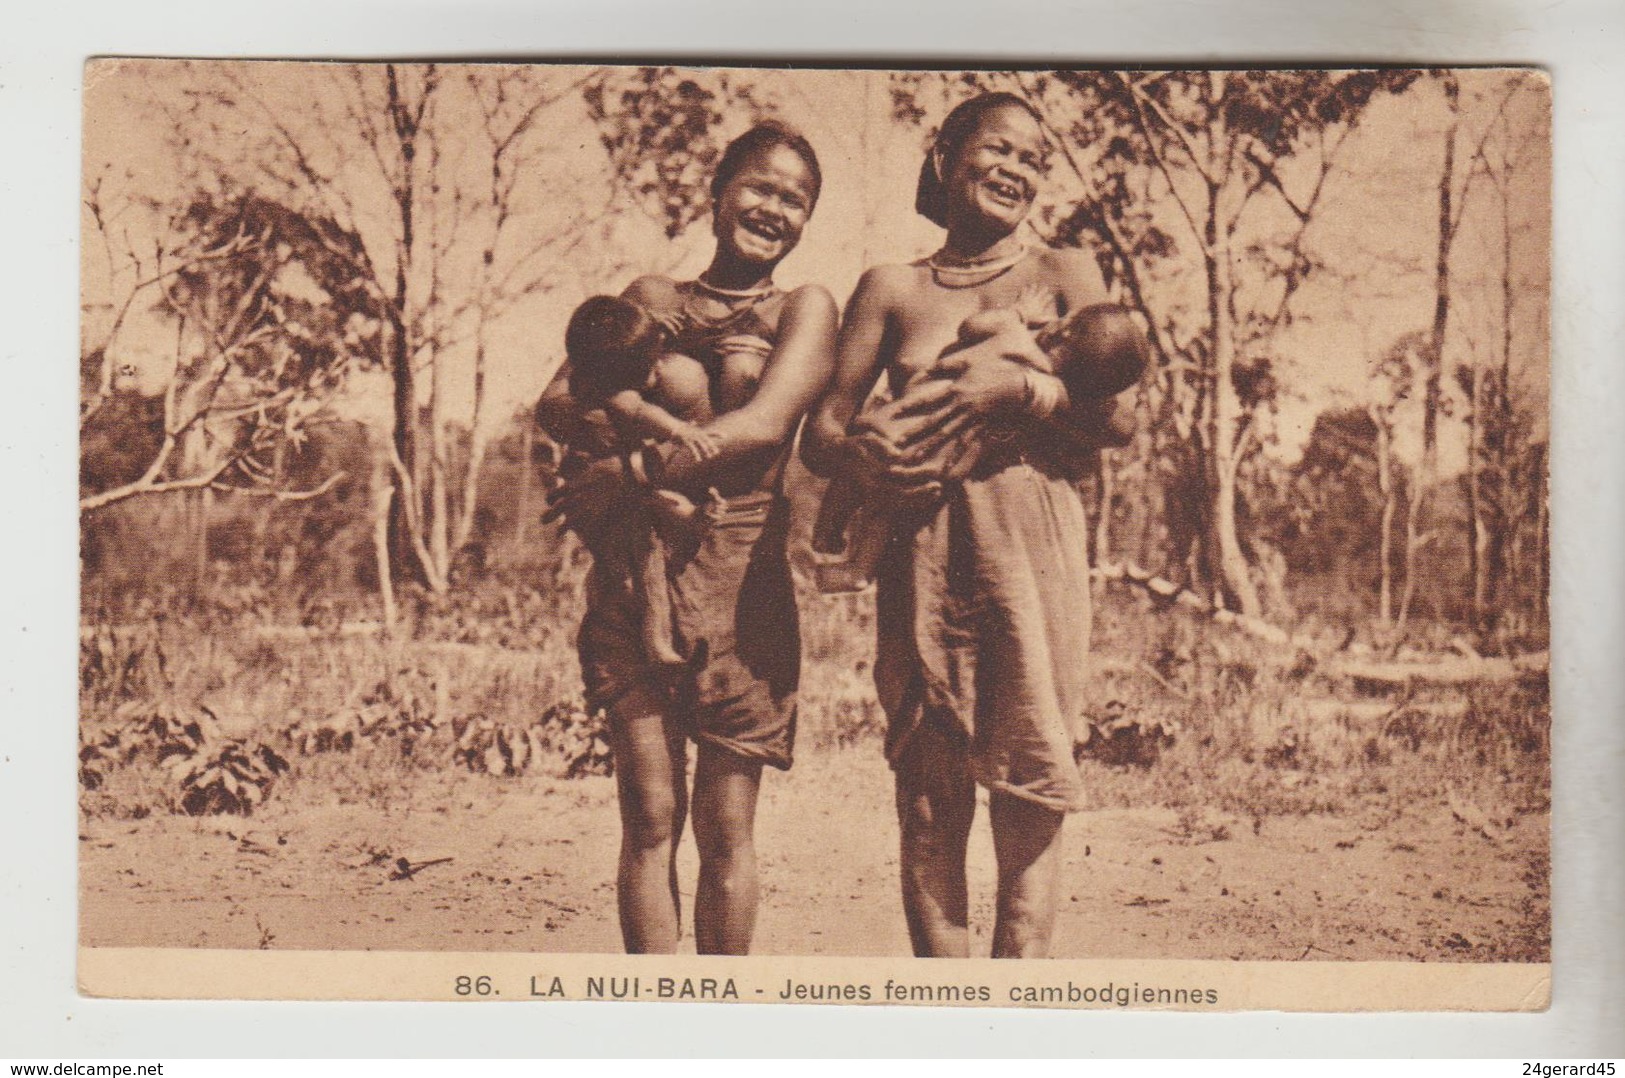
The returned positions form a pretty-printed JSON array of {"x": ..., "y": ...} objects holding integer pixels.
[{"x": 533, "y": 861}]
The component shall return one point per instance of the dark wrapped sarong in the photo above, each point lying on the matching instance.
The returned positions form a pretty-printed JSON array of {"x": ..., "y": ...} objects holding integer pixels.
[
  {"x": 733, "y": 607},
  {"x": 984, "y": 620}
]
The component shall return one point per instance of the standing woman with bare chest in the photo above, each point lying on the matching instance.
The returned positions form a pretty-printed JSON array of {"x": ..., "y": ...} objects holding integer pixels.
[
  {"x": 983, "y": 587},
  {"x": 763, "y": 355}
]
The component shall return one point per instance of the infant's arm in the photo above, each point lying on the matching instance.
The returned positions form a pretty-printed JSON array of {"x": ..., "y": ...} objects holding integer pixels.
[{"x": 643, "y": 419}]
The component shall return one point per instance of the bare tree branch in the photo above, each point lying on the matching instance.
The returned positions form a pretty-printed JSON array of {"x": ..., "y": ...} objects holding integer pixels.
[
  {"x": 285, "y": 495},
  {"x": 1146, "y": 130},
  {"x": 1141, "y": 100},
  {"x": 1115, "y": 241},
  {"x": 148, "y": 485}
]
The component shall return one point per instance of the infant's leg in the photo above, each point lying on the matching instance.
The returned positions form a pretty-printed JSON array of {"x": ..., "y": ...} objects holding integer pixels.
[
  {"x": 868, "y": 532},
  {"x": 658, "y": 645}
]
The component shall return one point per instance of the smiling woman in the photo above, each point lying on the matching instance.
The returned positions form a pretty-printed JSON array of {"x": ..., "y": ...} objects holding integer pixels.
[
  {"x": 763, "y": 193},
  {"x": 995, "y": 144},
  {"x": 983, "y": 585},
  {"x": 766, "y": 355}
]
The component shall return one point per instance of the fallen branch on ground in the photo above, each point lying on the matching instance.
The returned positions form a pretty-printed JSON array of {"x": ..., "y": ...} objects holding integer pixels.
[
  {"x": 1168, "y": 591},
  {"x": 1462, "y": 670},
  {"x": 1445, "y": 671}
]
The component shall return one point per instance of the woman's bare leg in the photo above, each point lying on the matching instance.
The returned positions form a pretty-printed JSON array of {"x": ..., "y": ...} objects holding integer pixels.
[
  {"x": 650, "y": 772},
  {"x": 725, "y": 792},
  {"x": 936, "y": 804},
  {"x": 1027, "y": 845}
]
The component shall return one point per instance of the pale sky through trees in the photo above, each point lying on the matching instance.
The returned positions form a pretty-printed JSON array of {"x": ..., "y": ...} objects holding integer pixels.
[{"x": 1375, "y": 230}]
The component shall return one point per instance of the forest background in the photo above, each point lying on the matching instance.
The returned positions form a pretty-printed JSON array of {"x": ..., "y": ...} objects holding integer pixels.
[
  {"x": 312, "y": 290},
  {"x": 320, "y": 301}
]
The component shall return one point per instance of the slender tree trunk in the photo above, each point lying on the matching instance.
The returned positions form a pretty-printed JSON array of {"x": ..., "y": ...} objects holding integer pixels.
[
  {"x": 1495, "y": 569},
  {"x": 405, "y": 429},
  {"x": 192, "y": 554},
  {"x": 476, "y": 452},
  {"x": 402, "y": 346},
  {"x": 404, "y": 432},
  {"x": 1413, "y": 542},
  {"x": 1385, "y": 535},
  {"x": 1103, "y": 518},
  {"x": 1433, "y": 356},
  {"x": 439, "y": 519},
  {"x": 469, "y": 498},
  {"x": 476, "y": 435},
  {"x": 1476, "y": 574},
  {"x": 383, "y": 497},
  {"x": 521, "y": 498},
  {"x": 1197, "y": 545},
  {"x": 1145, "y": 489},
  {"x": 1233, "y": 579}
]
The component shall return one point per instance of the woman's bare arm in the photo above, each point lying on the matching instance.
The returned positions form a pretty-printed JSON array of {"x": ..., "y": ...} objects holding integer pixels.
[
  {"x": 796, "y": 373},
  {"x": 858, "y": 359}
]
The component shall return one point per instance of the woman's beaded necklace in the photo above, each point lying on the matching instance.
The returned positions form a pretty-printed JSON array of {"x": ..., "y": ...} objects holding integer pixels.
[
  {"x": 734, "y": 293},
  {"x": 958, "y": 273}
]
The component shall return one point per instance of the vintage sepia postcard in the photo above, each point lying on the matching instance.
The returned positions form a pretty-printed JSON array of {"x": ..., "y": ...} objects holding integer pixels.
[{"x": 561, "y": 533}]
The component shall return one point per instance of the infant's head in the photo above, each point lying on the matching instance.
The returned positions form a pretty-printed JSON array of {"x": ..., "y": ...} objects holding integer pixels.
[
  {"x": 1097, "y": 351},
  {"x": 612, "y": 344}
]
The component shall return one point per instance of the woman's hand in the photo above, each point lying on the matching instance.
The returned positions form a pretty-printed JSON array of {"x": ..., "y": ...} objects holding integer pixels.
[
  {"x": 581, "y": 502},
  {"x": 969, "y": 387},
  {"x": 888, "y": 474}
]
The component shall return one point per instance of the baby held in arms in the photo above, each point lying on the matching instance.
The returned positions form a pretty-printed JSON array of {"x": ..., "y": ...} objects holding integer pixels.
[
  {"x": 1096, "y": 352},
  {"x": 621, "y": 362}
]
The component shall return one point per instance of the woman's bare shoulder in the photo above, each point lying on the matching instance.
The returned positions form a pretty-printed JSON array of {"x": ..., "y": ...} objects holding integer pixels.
[
  {"x": 809, "y": 299},
  {"x": 1066, "y": 259},
  {"x": 1075, "y": 272},
  {"x": 898, "y": 273},
  {"x": 892, "y": 281}
]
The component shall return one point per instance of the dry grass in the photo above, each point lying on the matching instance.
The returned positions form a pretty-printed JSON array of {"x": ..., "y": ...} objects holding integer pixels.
[
  {"x": 1257, "y": 733},
  {"x": 1265, "y": 732}
]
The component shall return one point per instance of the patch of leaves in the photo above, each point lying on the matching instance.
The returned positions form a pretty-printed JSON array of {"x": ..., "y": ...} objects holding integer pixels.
[
  {"x": 203, "y": 771},
  {"x": 581, "y": 740},
  {"x": 564, "y": 739},
  {"x": 121, "y": 664},
  {"x": 499, "y": 748},
  {"x": 142, "y": 730},
  {"x": 404, "y": 709},
  {"x": 1123, "y": 740},
  {"x": 232, "y": 776}
]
